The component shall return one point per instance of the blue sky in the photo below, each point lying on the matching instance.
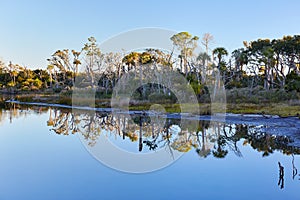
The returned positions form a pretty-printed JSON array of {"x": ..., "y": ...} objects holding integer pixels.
[{"x": 30, "y": 31}]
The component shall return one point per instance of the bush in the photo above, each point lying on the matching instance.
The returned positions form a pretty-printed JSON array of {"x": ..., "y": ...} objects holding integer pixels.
[
  {"x": 37, "y": 83},
  {"x": 25, "y": 88},
  {"x": 293, "y": 85},
  {"x": 57, "y": 90},
  {"x": 292, "y": 82},
  {"x": 257, "y": 95},
  {"x": 160, "y": 97},
  {"x": 234, "y": 84}
]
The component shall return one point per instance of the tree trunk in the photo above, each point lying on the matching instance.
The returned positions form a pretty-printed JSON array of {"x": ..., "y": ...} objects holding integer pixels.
[
  {"x": 141, "y": 136},
  {"x": 50, "y": 76}
]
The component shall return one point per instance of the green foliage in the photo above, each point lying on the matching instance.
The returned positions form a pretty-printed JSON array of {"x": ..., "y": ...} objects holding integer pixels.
[
  {"x": 252, "y": 75},
  {"x": 162, "y": 98},
  {"x": 37, "y": 83},
  {"x": 234, "y": 84},
  {"x": 220, "y": 52},
  {"x": 25, "y": 88},
  {"x": 293, "y": 85},
  {"x": 57, "y": 89},
  {"x": 293, "y": 82},
  {"x": 11, "y": 84},
  {"x": 259, "y": 96}
]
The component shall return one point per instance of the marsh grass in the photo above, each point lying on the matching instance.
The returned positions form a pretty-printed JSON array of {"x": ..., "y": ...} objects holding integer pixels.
[
  {"x": 262, "y": 104},
  {"x": 281, "y": 109}
]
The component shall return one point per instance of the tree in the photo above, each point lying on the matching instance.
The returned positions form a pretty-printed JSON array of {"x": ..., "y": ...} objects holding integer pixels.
[
  {"x": 262, "y": 53},
  {"x": 186, "y": 44},
  {"x": 50, "y": 68},
  {"x": 161, "y": 57},
  {"x": 112, "y": 72},
  {"x": 206, "y": 39},
  {"x": 93, "y": 59},
  {"x": 203, "y": 59},
  {"x": 286, "y": 55},
  {"x": 269, "y": 61},
  {"x": 139, "y": 61},
  {"x": 13, "y": 72},
  {"x": 66, "y": 62},
  {"x": 131, "y": 60},
  {"x": 240, "y": 59},
  {"x": 220, "y": 52},
  {"x": 2, "y": 67}
]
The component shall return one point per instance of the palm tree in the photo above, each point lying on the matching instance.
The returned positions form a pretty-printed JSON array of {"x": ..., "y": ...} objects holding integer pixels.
[
  {"x": 241, "y": 58},
  {"x": 132, "y": 60},
  {"x": 220, "y": 52},
  {"x": 76, "y": 62},
  {"x": 138, "y": 60}
]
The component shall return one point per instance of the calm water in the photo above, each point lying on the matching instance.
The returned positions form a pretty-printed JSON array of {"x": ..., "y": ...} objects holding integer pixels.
[{"x": 43, "y": 156}]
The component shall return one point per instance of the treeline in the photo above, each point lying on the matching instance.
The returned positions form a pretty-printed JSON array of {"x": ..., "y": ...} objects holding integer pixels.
[{"x": 265, "y": 64}]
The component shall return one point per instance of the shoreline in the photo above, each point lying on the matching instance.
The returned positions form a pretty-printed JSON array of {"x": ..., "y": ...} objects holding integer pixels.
[
  {"x": 270, "y": 124},
  {"x": 282, "y": 109},
  {"x": 167, "y": 114}
]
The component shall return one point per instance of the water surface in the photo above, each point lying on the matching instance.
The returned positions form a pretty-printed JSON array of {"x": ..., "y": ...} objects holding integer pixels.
[{"x": 42, "y": 156}]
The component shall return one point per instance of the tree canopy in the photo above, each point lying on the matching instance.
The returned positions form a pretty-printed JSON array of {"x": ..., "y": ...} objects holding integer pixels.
[{"x": 267, "y": 63}]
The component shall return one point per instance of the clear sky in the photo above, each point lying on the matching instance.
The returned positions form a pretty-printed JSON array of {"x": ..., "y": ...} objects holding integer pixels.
[{"x": 30, "y": 31}]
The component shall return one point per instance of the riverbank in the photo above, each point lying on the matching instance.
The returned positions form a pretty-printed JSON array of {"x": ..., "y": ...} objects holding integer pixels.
[{"x": 283, "y": 109}]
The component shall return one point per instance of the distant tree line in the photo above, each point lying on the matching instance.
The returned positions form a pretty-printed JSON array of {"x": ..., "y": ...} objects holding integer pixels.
[{"x": 263, "y": 63}]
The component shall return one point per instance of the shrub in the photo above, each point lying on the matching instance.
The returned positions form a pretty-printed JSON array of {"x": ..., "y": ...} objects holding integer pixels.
[
  {"x": 160, "y": 97},
  {"x": 37, "y": 83},
  {"x": 25, "y": 88},
  {"x": 57, "y": 89}
]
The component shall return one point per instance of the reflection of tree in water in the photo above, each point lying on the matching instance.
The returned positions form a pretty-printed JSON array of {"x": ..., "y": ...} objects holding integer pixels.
[
  {"x": 220, "y": 151},
  {"x": 13, "y": 111},
  {"x": 267, "y": 143},
  {"x": 208, "y": 138},
  {"x": 89, "y": 125}
]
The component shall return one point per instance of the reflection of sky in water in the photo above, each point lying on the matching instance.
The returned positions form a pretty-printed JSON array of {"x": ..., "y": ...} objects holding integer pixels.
[{"x": 38, "y": 164}]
